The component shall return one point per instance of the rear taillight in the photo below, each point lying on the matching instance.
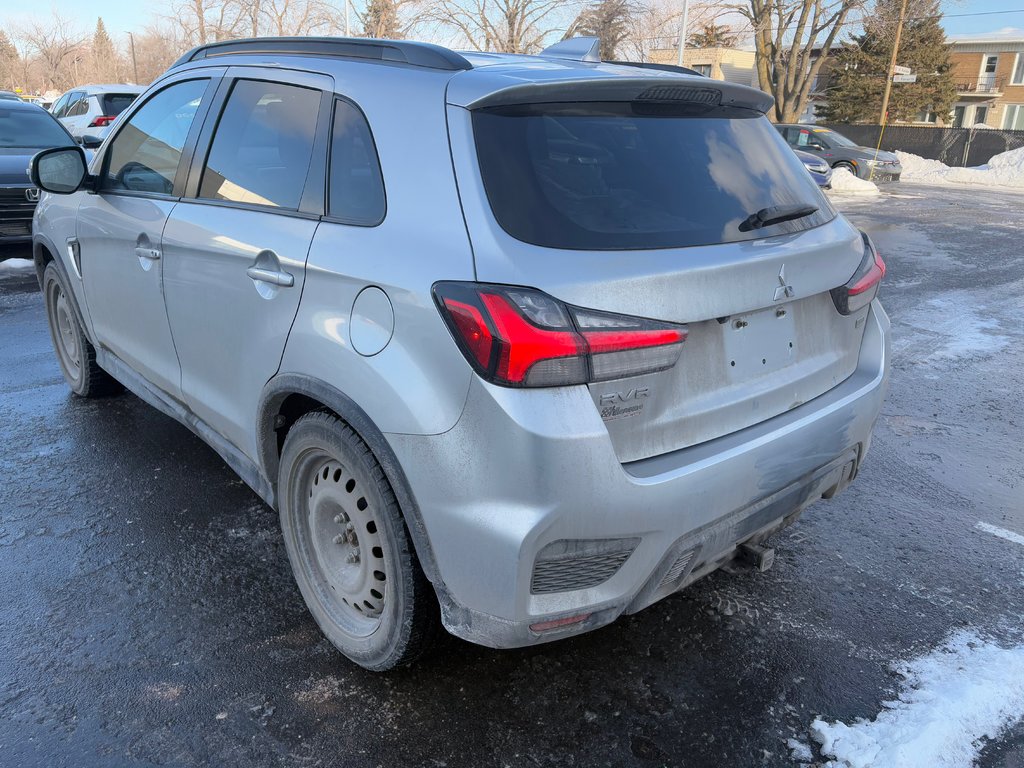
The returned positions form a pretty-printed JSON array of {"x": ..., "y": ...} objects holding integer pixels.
[
  {"x": 521, "y": 337},
  {"x": 862, "y": 288},
  {"x": 102, "y": 122}
]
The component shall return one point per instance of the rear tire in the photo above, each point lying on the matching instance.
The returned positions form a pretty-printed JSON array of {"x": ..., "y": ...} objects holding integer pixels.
[
  {"x": 349, "y": 547},
  {"x": 76, "y": 356}
]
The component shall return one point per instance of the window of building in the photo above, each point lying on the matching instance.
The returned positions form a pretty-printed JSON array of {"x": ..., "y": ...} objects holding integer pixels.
[
  {"x": 1017, "y": 78},
  {"x": 926, "y": 116},
  {"x": 704, "y": 69},
  {"x": 1013, "y": 120}
]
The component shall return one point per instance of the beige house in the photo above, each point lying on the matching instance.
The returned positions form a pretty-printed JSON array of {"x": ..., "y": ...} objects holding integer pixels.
[
  {"x": 989, "y": 75},
  {"x": 730, "y": 64}
]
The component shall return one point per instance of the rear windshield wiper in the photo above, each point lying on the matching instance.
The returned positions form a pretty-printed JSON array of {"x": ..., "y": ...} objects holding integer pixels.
[{"x": 776, "y": 215}]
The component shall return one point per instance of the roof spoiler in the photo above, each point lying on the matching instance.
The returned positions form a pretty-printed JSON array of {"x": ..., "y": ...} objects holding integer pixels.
[{"x": 654, "y": 89}]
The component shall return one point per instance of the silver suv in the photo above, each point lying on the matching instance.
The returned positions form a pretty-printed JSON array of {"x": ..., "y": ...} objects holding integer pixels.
[{"x": 514, "y": 344}]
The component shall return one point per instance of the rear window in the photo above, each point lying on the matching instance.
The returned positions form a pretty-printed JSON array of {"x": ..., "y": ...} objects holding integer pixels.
[
  {"x": 113, "y": 104},
  {"x": 615, "y": 177}
]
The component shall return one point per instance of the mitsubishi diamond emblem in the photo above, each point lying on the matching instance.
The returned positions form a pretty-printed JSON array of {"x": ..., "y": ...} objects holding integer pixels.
[
  {"x": 784, "y": 291},
  {"x": 32, "y": 195}
]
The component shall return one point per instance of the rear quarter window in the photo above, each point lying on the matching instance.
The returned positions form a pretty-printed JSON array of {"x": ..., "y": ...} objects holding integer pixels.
[{"x": 615, "y": 177}]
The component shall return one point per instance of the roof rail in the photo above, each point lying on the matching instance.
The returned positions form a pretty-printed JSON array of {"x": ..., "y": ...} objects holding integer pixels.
[
  {"x": 662, "y": 67},
  {"x": 575, "y": 49},
  {"x": 401, "y": 51}
]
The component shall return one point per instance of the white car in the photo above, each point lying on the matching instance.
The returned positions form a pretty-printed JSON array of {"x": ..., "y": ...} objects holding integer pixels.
[{"x": 88, "y": 109}]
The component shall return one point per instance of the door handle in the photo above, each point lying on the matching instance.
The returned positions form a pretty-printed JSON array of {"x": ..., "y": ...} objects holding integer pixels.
[
  {"x": 147, "y": 253},
  {"x": 272, "y": 276}
]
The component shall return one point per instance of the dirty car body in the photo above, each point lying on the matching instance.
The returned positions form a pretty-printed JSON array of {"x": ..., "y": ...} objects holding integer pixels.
[{"x": 585, "y": 381}]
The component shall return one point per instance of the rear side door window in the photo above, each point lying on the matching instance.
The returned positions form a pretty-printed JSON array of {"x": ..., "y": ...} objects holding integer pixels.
[
  {"x": 355, "y": 186},
  {"x": 146, "y": 153},
  {"x": 263, "y": 144},
  {"x": 78, "y": 108}
]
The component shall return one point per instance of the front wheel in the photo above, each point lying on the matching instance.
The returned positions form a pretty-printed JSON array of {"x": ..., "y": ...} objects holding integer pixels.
[
  {"x": 847, "y": 166},
  {"x": 75, "y": 354},
  {"x": 349, "y": 547}
]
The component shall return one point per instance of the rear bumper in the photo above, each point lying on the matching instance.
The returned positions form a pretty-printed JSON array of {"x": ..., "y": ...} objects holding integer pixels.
[{"x": 527, "y": 473}]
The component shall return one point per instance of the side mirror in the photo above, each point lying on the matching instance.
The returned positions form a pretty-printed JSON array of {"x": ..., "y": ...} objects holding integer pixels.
[
  {"x": 90, "y": 141},
  {"x": 62, "y": 170},
  {"x": 815, "y": 145}
]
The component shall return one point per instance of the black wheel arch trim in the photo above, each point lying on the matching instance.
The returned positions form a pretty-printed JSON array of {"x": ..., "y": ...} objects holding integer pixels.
[{"x": 284, "y": 385}]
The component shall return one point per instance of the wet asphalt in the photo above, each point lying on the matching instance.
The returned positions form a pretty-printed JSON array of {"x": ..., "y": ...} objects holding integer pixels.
[{"x": 148, "y": 615}]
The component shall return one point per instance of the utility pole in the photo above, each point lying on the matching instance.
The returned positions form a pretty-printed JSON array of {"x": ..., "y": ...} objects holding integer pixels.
[
  {"x": 682, "y": 32},
  {"x": 892, "y": 64},
  {"x": 135, "y": 64},
  {"x": 348, "y": 30}
]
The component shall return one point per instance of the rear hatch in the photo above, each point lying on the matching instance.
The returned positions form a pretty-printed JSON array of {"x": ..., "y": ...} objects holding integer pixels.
[{"x": 643, "y": 207}]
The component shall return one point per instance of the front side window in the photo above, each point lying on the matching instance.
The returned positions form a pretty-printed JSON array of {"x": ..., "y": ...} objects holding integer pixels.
[
  {"x": 79, "y": 108},
  {"x": 263, "y": 145},
  {"x": 620, "y": 176},
  {"x": 145, "y": 154},
  {"x": 356, "y": 191}
]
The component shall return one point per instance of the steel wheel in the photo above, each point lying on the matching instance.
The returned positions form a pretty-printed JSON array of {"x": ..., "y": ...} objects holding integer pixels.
[
  {"x": 341, "y": 546},
  {"x": 65, "y": 330}
]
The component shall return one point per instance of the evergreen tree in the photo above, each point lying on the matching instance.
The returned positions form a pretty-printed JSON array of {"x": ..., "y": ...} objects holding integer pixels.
[
  {"x": 712, "y": 36},
  {"x": 608, "y": 20},
  {"x": 103, "y": 56},
  {"x": 860, "y": 69}
]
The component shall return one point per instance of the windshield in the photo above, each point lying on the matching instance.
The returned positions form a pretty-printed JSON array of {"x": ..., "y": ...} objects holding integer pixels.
[
  {"x": 30, "y": 129},
  {"x": 610, "y": 177},
  {"x": 836, "y": 138}
]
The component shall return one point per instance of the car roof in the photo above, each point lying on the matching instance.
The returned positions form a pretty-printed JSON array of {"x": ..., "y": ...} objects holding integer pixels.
[
  {"x": 475, "y": 79},
  {"x": 95, "y": 90},
  {"x": 20, "y": 105}
]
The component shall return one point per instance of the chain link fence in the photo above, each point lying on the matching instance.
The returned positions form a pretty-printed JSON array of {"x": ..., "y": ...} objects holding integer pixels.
[{"x": 952, "y": 146}]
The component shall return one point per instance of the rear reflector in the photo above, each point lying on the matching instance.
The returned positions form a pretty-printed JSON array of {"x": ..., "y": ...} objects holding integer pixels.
[
  {"x": 521, "y": 337},
  {"x": 861, "y": 289},
  {"x": 102, "y": 122},
  {"x": 547, "y": 626}
]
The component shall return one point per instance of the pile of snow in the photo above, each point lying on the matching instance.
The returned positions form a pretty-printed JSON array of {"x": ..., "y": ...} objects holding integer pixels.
[
  {"x": 968, "y": 690},
  {"x": 846, "y": 183},
  {"x": 16, "y": 264},
  {"x": 1003, "y": 170}
]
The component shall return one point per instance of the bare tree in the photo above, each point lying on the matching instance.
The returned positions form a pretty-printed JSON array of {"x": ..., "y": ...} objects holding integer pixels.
[
  {"x": 792, "y": 39},
  {"x": 389, "y": 19},
  {"x": 205, "y": 21},
  {"x": 293, "y": 17},
  {"x": 655, "y": 25},
  {"x": 59, "y": 47},
  {"x": 511, "y": 26}
]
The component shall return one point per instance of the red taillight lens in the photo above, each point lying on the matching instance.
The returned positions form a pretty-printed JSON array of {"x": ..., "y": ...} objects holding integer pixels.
[
  {"x": 521, "y": 337},
  {"x": 102, "y": 122},
  {"x": 861, "y": 289}
]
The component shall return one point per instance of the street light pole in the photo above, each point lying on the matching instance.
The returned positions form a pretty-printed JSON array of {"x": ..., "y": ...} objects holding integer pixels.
[
  {"x": 348, "y": 31},
  {"x": 135, "y": 64},
  {"x": 682, "y": 32},
  {"x": 892, "y": 64}
]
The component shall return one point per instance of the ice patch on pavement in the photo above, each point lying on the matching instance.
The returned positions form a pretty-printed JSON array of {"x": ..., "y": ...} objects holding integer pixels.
[
  {"x": 799, "y": 751},
  {"x": 948, "y": 328},
  {"x": 845, "y": 183},
  {"x": 1003, "y": 170},
  {"x": 951, "y": 699}
]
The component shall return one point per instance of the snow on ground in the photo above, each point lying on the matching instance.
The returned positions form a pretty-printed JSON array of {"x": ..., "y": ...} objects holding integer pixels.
[
  {"x": 15, "y": 264},
  {"x": 845, "y": 183},
  {"x": 951, "y": 699},
  {"x": 1003, "y": 170}
]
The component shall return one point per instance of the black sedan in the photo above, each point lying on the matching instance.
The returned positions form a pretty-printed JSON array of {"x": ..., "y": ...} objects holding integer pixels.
[{"x": 24, "y": 130}]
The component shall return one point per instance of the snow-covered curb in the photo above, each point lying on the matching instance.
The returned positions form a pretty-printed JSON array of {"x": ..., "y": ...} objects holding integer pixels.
[
  {"x": 845, "y": 183},
  {"x": 952, "y": 698},
  {"x": 1003, "y": 170}
]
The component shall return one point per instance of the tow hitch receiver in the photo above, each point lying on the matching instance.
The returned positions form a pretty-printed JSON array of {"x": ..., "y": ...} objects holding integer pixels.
[{"x": 761, "y": 558}]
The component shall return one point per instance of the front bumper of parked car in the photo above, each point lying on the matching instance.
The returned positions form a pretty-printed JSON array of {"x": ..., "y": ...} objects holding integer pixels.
[{"x": 539, "y": 532}]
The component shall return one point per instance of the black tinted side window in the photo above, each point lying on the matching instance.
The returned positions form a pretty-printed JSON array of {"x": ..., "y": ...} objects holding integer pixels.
[
  {"x": 262, "y": 146},
  {"x": 356, "y": 187},
  {"x": 144, "y": 155}
]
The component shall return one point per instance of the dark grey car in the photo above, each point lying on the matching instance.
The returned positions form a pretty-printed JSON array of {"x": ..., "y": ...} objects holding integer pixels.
[{"x": 839, "y": 152}]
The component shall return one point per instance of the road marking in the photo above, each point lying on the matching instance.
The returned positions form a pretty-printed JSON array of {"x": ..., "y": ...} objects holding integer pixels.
[{"x": 1002, "y": 533}]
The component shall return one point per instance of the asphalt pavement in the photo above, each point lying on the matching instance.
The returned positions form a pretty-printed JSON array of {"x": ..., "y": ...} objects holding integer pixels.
[{"x": 148, "y": 615}]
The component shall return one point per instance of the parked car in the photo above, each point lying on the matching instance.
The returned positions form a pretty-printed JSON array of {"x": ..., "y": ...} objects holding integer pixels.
[
  {"x": 9, "y": 96},
  {"x": 839, "y": 152},
  {"x": 514, "y": 344},
  {"x": 86, "y": 109},
  {"x": 24, "y": 130},
  {"x": 817, "y": 167}
]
